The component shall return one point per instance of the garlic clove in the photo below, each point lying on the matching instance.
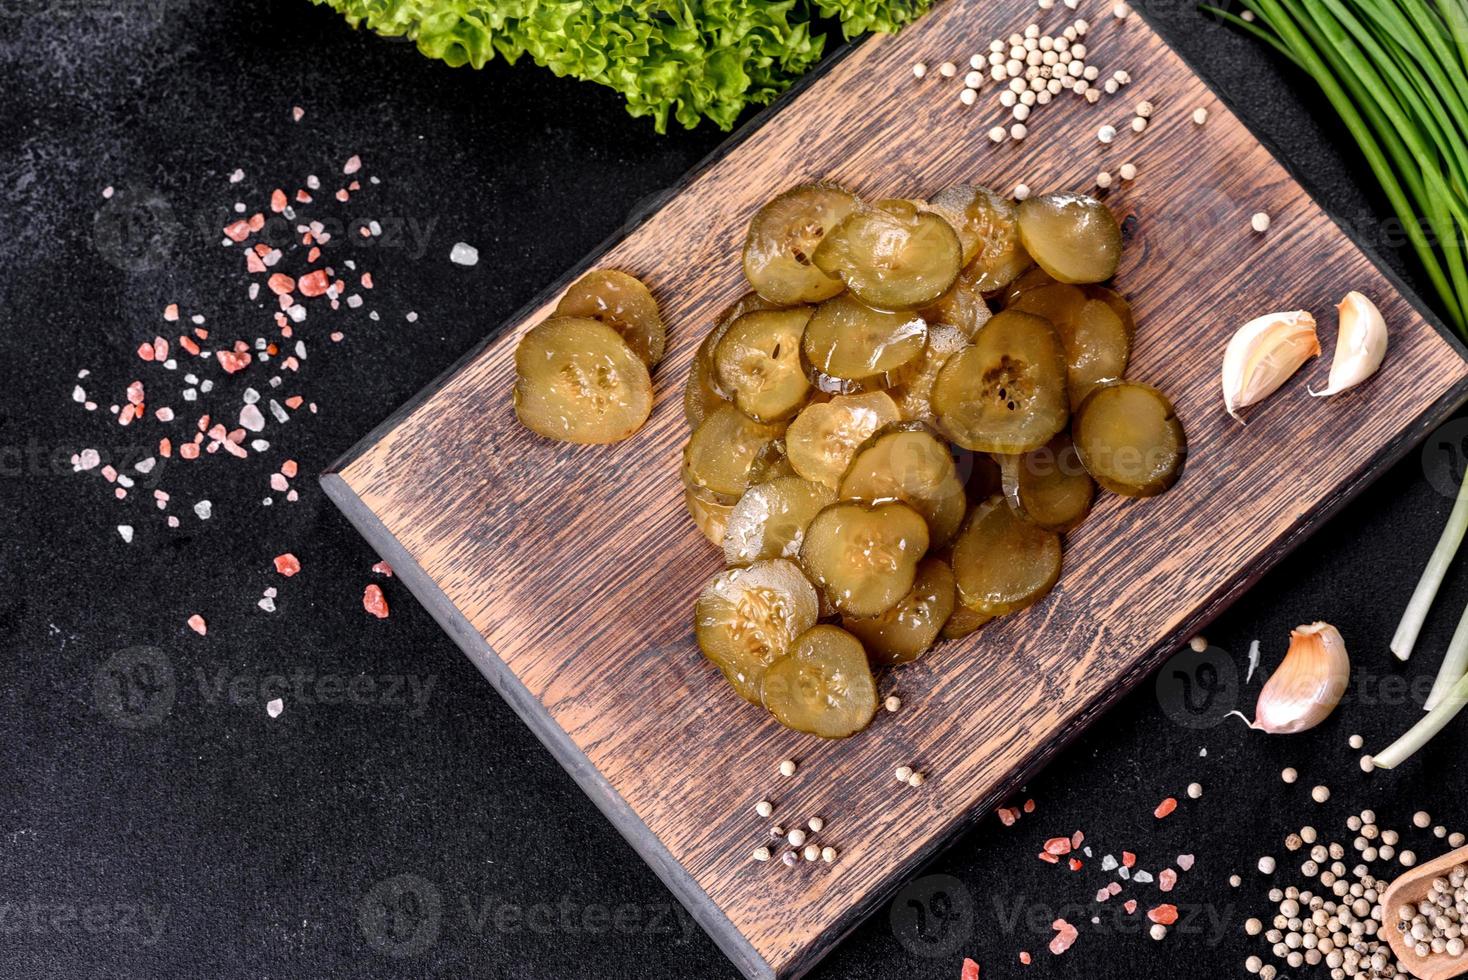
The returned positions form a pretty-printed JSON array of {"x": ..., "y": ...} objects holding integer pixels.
[
  {"x": 1360, "y": 344},
  {"x": 1308, "y": 684},
  {"x": 1263, "y": 354}
]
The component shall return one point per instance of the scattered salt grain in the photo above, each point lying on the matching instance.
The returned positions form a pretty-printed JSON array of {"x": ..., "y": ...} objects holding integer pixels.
[
  {"x": 464, "y": 254},
  {"x": 204, "y": 509},
  {"x": 251, "y": 418},
  {"x": 126, "y": 530},
  {"x": 274, "y": 707},
  {"x": 197, "y": 624}
]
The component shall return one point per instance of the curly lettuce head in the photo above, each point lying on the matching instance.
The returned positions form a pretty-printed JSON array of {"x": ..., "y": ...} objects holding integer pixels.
[{"x": 689, "y": 60}]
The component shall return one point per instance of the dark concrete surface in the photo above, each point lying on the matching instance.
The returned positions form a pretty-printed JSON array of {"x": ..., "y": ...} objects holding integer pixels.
[{"x": 156, "y": 822}]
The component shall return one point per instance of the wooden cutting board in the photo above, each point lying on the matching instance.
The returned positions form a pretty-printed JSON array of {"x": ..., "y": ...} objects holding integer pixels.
[{"x": 568, "y": 573}]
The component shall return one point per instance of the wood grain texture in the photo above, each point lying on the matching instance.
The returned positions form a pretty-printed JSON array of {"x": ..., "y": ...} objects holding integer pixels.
[{"x": 568, "y": 573}]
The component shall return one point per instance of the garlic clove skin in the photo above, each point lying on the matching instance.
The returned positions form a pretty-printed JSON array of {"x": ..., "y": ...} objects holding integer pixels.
[
  {"x": 1263, "y": 354},
  {"x": 1308, "y": 684},
  {"x": 1360, "y": 344}
]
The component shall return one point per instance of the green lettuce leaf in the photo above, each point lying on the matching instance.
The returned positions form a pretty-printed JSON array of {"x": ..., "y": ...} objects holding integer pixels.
[{"x": 685, "y": 59}]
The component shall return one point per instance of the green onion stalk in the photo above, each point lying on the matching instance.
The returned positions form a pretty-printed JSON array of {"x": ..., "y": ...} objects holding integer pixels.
[{"x": 1396, "y": 72}]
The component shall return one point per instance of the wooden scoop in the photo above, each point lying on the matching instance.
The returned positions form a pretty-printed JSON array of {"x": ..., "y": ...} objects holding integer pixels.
[{"x": 1412, "y": 886}]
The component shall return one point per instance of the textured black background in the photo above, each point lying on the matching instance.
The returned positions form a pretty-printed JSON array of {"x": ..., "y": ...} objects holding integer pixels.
[{"x": 258, "y": 845}]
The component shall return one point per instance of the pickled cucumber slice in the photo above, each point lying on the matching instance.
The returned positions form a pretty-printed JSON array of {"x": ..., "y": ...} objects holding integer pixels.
[
  {"x": 1006, "y": 393},
  {"x": 1073, "y": 237},
  {"x": 907, "y": 630},
  {"x": 963, "y": 622},
  {"x": 903, "y": 207},
  {"x": 1098, "y": 347},
  {"x": 1033, "y": 278},
  {"x": 730, "y": 452},
  {"x": 850, "y": 347},
  {"x": 709, "y": 514},
  {"x": 783, "y": 237},
  {"x": 770, "y": 519},
  {"x": 823, "y": 686},
  {"x": 1097, "y": 341},
  {"x": 747, "y": 618},
  {"x": 892, "y": 261},
  {"x": 864, "y": 556},
  {"x": 824, "y": 437},
  {"x": 1057, "y": 302},
  {"x": 907, "y": 462},
  {"x": 623, "y": 303},
  {"x": 1003, "y": 563},
  {"x": 914, "y": 397},
  {"x": 758, "y": 362},
  {"x": 1049, "y": 487},
  {"x": 702, "y": 393},
  {"x": 962, "y": 306},
  {"x": 578, "y": 381},
  {"x": 988, "y": 226},
  {"x": 1129, "y": 438}
]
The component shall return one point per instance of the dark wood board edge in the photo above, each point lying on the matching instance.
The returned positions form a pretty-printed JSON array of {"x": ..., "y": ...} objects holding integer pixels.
[
  {"x": 960, "y": 823},
  {"x": 565, "y": 751},
  {"x": 665, "y": 866},
  {"x": 673, "y": 875}
]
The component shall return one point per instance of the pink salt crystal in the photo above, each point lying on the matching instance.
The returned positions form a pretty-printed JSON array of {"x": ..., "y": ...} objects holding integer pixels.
[
  {"x": 297, "y": 113},
  {"x": 374, "y": 602},
  {"x": 353, "y": 164},
  {"x": 278, "y": 483},
  {"x": 237, "y": 231},
  {"x": 232, "y": 361},
  {"x": 1065, "y": 936},
  {"x": 196, "y": 623},
  {"x": 1103, "y": 895},
  {"x": 1185, "y": 862},
  {"x": 145, "y": 351},
  {"x": 1114, "y": 888},
  {"x": 383, "y": 568},
  {"x": 170, "y": 312},
  {"x": 164, "y": 414},
  {"x": 109, "y": 473},
  {"x": 1166, "y": 879},
  {"x": 135, "y": 393}
]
